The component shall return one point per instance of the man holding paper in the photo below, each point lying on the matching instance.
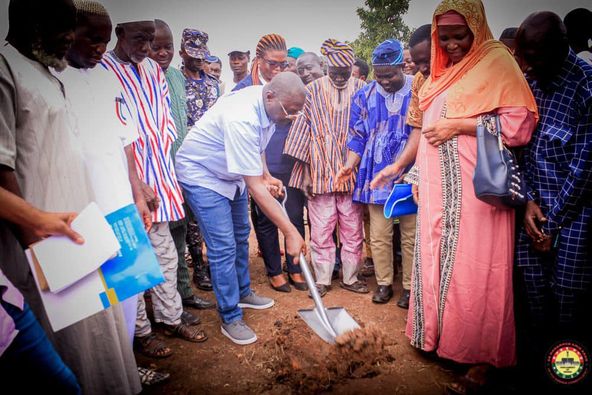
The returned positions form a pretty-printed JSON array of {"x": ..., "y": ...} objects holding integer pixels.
[
  {"x": 41, "y": 160},
  {"x": 222, "y": 154}
]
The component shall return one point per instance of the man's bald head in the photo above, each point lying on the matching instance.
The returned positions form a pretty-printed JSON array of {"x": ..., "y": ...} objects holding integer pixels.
[
  {"x": 542, "y": 46},
  {"x": 309, "y": 67},
  {"x": 543, "y": 28},
  {"x": 159, "y": 24},
  {"x": 309, "y": 57},
  {"x": 284, "y": 94}
]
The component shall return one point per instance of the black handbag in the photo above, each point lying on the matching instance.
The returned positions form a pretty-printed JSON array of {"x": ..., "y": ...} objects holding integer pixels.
[{"x": 497, "y": 179}]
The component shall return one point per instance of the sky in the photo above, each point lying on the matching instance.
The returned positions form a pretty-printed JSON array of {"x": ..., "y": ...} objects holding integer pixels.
[{"x": 238, "y": 24}]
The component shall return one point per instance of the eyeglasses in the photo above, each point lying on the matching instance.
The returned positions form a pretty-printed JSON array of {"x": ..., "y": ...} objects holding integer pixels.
[
  {"x": 274, "y": 64},
  {"x": 291, "y": 117}
]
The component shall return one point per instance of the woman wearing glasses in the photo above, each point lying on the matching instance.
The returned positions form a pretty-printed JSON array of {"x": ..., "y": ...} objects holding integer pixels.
[{"x": 270, "y": 60}]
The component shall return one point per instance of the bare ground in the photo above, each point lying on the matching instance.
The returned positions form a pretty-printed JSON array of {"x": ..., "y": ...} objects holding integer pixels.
[{"x": 289, "y": 358}]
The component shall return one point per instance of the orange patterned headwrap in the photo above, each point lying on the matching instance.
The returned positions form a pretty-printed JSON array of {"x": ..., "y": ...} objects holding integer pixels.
[
  {"x": 487, "y": 77},
  {"x": 266, "y": 43}
]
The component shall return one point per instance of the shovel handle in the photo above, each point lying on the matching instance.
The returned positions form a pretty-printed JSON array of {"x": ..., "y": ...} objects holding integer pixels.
[{"x": 320, "y": 308}]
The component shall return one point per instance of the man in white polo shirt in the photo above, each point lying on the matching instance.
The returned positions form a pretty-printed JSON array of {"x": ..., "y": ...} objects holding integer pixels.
[{"x": 223, "y": 153}]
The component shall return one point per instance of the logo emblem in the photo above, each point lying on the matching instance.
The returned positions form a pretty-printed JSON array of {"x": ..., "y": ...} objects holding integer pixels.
[{"x": 567, "y": 363}]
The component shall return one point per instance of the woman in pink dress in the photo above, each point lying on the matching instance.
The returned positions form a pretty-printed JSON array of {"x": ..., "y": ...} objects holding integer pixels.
[{"x": 461, "y": 294}]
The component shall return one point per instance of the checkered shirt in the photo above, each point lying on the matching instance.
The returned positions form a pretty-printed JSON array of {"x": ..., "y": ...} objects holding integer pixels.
[{"x": 558, "y": 169}]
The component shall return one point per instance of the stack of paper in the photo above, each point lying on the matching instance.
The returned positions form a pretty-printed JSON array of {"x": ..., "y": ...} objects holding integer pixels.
[
  {"x": 79, "y": 284},
  {"x": 64, "y": 262}
]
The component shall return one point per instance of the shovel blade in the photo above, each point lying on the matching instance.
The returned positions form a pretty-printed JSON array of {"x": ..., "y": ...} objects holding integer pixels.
[{"x": 339, "y": 319}]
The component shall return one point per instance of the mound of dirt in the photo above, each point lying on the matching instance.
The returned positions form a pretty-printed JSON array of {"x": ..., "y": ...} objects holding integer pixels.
[{"x": 305, "y": 363}]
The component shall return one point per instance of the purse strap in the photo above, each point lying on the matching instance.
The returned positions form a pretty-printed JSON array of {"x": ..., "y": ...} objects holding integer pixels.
[
  {"x": 498, "y": 126},
  {"x": 493, "y": 126}
]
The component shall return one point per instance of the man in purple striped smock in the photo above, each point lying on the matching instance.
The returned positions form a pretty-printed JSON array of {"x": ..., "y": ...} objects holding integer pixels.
[
  {"x": 146, "y": 91},
  {"x": 318, "y": 140}
]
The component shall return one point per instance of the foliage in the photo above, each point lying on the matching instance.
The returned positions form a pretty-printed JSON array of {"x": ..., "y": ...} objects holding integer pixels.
[{"x": 381, "y": 19}]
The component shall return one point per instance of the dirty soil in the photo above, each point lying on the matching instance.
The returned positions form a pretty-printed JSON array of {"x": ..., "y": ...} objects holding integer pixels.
[{"x": 289, "y": 358}]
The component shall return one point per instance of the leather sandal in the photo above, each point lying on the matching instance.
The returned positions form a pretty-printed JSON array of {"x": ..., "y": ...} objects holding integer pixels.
[
  {"x": 186, "y": 332},
  {"x": 150, "y": 346},
  {"x": 150, "y": 377},
  {"x": 357, "y": 287},
  {"x": 474, "y": 382}
]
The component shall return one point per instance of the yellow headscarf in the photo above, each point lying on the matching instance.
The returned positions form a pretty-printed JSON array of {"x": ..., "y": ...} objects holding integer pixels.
[{"x": 487, "y": 77}]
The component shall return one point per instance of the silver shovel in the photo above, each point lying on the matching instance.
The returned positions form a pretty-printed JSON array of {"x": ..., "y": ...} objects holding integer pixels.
[{"x": 330, "y": 322}]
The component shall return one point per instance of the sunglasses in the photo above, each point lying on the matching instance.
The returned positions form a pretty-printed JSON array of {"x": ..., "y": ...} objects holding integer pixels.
[
  {"x": 291, "y": 117},
  {"x": 274, "y": 64}
]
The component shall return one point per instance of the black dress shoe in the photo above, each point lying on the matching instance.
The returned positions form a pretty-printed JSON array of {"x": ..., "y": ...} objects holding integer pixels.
[
  {"x": 202, "y": 280},
  {"x": 285, "y": 287},
  {"x": 297, "y": 284},
  {"x": 383, "y": 294},
  {"x": 201, "y": 271},
  {"x": 198, "y": 303},
  {"x": 403, "y": 301},
  {"x": 189, "y": 319}
]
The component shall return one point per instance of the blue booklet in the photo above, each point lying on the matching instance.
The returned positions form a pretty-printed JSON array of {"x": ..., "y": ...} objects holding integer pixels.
[
  {"x": 135, "y": 268},
  {"x": 400, "y": 202}
]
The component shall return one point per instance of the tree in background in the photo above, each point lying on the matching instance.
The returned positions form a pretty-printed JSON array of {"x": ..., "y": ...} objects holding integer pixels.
[{"x": 381, "y": 19}]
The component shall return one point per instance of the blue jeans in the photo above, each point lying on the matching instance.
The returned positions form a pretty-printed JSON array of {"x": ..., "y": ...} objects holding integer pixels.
[
  {"x": 225, "y": 227},
  {"x": 32, "y": 355}
]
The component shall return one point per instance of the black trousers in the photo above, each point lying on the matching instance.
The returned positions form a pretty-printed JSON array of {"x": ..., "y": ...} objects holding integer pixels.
[{"x": 267, "y": 232}]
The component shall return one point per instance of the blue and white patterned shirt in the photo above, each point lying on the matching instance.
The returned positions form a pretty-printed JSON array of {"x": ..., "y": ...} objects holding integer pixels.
[
  {"x": 558, "y": 160},
  {"x": 378, "y": 133}
]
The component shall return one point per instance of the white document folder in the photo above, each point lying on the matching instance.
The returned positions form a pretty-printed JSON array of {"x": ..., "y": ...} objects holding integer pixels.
[{"x": 64, "y": 262}]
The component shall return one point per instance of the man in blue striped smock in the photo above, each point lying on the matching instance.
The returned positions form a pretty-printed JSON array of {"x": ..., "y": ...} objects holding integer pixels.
[{"x": 378, "y": 137}]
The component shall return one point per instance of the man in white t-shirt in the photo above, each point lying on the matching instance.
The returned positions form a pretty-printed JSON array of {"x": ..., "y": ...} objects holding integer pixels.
[{"x": 223, "y": 153}]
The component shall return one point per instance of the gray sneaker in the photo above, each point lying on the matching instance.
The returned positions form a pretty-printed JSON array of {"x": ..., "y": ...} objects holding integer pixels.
[
  {"x": 239, "y": 332},
  {"x": 256, "y": 302}
]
